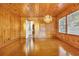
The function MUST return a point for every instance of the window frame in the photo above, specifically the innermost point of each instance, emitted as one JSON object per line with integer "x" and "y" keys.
{"x": 59, "y": 25}
{"x": 66, "y": 27}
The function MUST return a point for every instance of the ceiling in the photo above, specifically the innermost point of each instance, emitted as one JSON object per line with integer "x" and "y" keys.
{"x": 35, "y": 9}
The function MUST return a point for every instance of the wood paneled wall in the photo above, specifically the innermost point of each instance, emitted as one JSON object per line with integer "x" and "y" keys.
{"x": 70, "y": 39}
{"x": 9, "y": 27}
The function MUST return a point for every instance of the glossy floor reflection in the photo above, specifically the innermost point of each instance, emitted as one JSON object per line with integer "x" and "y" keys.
{"x": 48, "y": 47}
{"x": 42, "y": 47}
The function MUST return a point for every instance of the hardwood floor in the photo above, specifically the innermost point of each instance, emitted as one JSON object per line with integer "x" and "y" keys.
{"x": 45, "y": 47}
{"x": 14, "y": 49}
{"x": 42, "y": 47}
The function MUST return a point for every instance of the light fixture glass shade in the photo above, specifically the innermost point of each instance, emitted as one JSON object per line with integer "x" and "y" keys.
{"x": 47, "y": 18}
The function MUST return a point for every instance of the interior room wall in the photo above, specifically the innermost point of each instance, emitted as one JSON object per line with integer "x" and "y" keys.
{"x": 68, "y": 38}
{"x": 39, "y": 24}
{"x": 9, "y": 27}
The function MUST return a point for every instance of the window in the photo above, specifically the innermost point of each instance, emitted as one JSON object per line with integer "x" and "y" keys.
{"x": 73, "y": 23}
{"x": 62, "y": 25}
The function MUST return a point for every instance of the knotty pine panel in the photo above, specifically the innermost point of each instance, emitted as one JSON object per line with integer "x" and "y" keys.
{"x": 68, "y": 38}
{"x": 9, "y": 27}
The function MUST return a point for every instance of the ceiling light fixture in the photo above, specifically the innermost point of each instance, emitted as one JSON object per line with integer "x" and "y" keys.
{"x": 47, "y": 18}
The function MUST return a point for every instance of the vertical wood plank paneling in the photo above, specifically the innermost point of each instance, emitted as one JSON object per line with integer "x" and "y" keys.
{"x": 9, "y": 27}
{"x": 71, "y": 39}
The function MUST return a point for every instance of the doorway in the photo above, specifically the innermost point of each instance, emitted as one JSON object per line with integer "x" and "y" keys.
{"x": 29, "y": 35}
